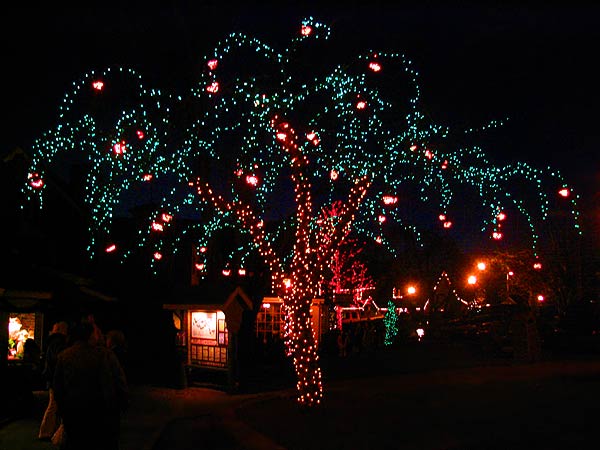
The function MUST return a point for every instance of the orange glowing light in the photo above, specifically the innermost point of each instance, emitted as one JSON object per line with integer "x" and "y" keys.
{"x": 472, "y": 279}
{"x": 481, "y": 266}
{"x": 287, "y": 283}
{"x": 410, "y": 290}
{"x": 564, "y": 192}
{"x": 540, "y": 298}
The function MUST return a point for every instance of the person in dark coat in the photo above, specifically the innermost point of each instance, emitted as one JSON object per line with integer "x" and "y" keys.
{"x": 57, "y": 342}
{"x": 91, "y": 392}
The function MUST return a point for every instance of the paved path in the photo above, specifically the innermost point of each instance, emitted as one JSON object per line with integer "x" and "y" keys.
{"x": 550, "y": 405}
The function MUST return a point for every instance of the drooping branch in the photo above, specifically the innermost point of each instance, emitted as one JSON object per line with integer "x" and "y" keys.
{"x": 247, "y": 221}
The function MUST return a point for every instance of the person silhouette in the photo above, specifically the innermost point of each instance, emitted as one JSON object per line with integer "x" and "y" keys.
{"x": 57, "y": 342}
{"x": 91, "y": 392}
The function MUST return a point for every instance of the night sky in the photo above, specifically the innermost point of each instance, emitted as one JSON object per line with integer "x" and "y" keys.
{"x": 534, "y": 64}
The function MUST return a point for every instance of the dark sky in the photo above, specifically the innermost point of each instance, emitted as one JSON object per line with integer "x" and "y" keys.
{"x": 535, "y": 64}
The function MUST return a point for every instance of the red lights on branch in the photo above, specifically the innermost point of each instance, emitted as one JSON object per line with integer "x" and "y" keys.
{"x": 35, "y": 180}
{"x": 119, "y": 148}
{"x": 226, "y": 272}
{"x": 199, "y": 266}
{"x": 312, "y": 136}
{"x": 281, "y": 136}
{"x": 166, "y": 217}
{"x": 202, "y": 249}
{"x": 333, "y": 174}
{"x": 252, "y": 180}
{"x": 147, "y": 177}
{"x": 374, "y": 66}
{"x": 212, "y": 64}
{"x": 381, "y": 218}
{"x": 158, "y": 256}
{"x": 537, "y": 266}
{"x": 428, "y": 154}
{"x": 157, "y": 226}
{"x": 445, "y": 164}
{"x": 564, "y": 192}
{"x": 447, "y": 224}
{"x": 287, "y": 283}
{"x": 412, "y": 148}
{"x": 442, "y": 217}
{"x": 306, "y": 30}
{"x": 361, "y": 104}
{"x": 501, "y": 216}
{"x": 497, "y": 235}
{"x": 242, "y": 272}
{"x": 98, "y": 85}
{"x": 390, "y": 199}
{"x": 111, "y": 248}
{"x": 140, "y": 134}
{"x": 213, "y": 88}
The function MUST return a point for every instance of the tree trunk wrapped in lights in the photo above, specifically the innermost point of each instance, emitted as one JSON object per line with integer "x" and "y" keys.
{"x": 312, "y": 252}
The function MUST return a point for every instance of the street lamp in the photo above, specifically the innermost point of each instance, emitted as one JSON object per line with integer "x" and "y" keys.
{"x": 509, "y": 274}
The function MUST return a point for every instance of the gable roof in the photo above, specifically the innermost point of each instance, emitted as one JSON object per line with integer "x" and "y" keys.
{"x": 212, "y": 296}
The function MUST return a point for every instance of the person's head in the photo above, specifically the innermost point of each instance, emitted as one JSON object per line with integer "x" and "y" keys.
{"x": 82, "y": 331}
{"x": 115, "y": 338}
{"x": 60, "y": 328}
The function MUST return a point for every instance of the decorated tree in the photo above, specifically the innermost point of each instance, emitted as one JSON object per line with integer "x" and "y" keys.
{"x": 266, "y": 147}
{"x": 346, "y": 272}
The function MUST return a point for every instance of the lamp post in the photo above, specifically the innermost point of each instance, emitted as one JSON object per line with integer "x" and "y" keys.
{"x": 509, "y": 274}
